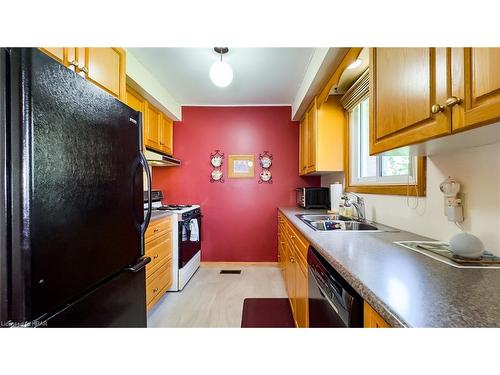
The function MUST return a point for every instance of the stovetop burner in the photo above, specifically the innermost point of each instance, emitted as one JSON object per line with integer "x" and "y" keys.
{"x": 173, "y": 207}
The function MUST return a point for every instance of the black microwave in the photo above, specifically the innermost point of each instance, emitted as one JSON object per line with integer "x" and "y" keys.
{"x": 313, "y": 197}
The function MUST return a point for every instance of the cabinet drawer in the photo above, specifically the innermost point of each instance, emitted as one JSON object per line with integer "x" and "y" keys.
{"x": 156, "y": 286}
{"x": 159, "y": 249}
{"x": 300, "y": 243}
{"x": 158, "y": 227}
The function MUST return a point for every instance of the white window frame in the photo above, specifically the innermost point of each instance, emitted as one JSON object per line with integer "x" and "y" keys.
{"x": 355, "y": 162}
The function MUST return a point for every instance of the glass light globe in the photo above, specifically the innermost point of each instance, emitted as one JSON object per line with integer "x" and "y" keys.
{"x": 221, "y": 73}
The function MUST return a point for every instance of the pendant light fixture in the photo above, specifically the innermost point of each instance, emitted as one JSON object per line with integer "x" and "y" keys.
{"x": 221, "y": 72}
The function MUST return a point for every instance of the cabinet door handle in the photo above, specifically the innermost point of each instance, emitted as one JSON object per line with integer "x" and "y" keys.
{"x": 292, "y": 260}
{"x": 84, "y": 69}
{"x": 155, "y": 290}
{"x": 155, "y": 256}
{"x": 293, "y": 237}
{"x": 452, "y": 101}
{"x": 436, "y": 108}
{"x": 156, "y": 230}
{"x": 74, "y": 63}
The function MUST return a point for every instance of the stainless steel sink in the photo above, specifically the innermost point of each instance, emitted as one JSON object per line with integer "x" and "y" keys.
{"x": 328, "y": 217}
{"x": 342, "y": 224}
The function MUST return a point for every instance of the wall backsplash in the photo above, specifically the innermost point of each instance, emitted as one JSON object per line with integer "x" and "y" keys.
{"x": 478, "y": 171}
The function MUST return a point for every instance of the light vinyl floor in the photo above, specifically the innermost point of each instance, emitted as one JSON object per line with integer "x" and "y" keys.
{"x": 211, "y": 299}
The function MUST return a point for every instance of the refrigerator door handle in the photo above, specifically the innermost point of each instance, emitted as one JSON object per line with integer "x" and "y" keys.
{"x": 145, "y": 165}
{"x": 139, "y": 265}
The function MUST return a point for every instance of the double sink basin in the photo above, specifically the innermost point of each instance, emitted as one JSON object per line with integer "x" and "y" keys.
{"x": 327, "y": 222}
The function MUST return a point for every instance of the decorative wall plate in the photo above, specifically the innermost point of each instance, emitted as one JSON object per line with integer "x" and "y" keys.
{"x": 216, "y": 161}
{"x": 265, "y": 175}
{"x": 216, "y": 174}
{"x": 266, "y": 162}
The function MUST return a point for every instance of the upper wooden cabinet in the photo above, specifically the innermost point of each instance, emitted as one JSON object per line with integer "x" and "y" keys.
{"x": 417, "y": 94}
{"x": 135, "y": 101}
{"x": 404, "y": 85}
{"x": 57, "y": 53}
{"x": 303, "y": 145}
{"x": 153, "y": 126}
{"x": 104, "y": 67}
{"x": 158, "y": 133}
{"x": 321, "y": 141}
{"x": 312, "y": 136}
{"x": 167, "y": 135}
{"x": 476, "y": 82}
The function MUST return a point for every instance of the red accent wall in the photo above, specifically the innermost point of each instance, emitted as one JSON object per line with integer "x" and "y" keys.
{"x": 239, "y": 216}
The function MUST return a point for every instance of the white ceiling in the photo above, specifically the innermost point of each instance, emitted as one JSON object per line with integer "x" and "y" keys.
{"x": 262, "y": 76}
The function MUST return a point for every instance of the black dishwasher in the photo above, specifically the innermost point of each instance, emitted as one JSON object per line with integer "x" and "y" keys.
{"x": 332, "y": 301}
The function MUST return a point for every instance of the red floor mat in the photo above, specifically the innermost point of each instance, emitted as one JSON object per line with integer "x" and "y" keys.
{"x": 267, "y": 313}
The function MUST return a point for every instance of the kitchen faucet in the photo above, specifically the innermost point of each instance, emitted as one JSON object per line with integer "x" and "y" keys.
{"x": 357, "y": 202}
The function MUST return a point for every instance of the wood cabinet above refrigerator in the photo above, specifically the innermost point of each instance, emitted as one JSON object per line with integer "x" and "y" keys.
{"x": 104, "y": 67}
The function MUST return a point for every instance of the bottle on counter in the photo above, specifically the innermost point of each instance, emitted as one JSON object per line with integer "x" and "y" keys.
{"x": 341, "y": 209}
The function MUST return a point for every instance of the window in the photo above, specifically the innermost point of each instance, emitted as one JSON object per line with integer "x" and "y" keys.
{"x": 394, "y": 167}
{"x": 395, "y": 172}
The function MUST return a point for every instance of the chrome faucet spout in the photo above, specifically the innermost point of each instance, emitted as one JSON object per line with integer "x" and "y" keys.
{"x": 358, "y": 203}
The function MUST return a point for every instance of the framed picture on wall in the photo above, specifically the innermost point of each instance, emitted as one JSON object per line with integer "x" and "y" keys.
{"x": 241, "y": 166}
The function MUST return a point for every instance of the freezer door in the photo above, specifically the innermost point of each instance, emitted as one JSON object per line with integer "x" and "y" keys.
{"x": 76, "y": 185}
{"x": 126, "y": 309}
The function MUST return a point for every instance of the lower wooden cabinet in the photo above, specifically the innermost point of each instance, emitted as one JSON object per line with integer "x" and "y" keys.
{"x": 292, "y": 253}
{"x": 159, "y": 249}
{"x": 372, "y": 319}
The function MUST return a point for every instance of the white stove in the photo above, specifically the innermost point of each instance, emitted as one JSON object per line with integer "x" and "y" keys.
{"x": 186, "y": 238}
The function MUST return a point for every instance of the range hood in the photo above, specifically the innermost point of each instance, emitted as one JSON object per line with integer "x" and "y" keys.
{"x": 158, "y": 160}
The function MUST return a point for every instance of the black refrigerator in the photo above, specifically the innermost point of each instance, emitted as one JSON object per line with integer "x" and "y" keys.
{"x": 71, "y": 208}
